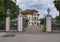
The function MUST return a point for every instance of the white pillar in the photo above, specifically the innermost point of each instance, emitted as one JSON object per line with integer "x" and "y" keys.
{"x": 7, "y": 24}
{"x": 48, "y": 23}
{"x": 20, "y": 23}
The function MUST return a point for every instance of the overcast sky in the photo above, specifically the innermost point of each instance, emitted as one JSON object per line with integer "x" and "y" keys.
{"x": 40, "y": 5}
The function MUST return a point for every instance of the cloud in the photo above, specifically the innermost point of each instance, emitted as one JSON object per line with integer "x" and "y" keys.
{"x": 40, "y": 5}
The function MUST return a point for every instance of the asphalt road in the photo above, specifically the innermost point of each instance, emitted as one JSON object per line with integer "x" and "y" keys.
{"x": 19, "y": 37}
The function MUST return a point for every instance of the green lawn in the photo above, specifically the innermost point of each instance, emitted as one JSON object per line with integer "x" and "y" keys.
{"x": 42, "y": 26}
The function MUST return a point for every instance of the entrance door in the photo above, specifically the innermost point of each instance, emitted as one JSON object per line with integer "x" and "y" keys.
{"x": 13, "y": 25}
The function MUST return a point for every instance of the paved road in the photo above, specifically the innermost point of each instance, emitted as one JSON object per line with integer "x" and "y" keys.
{"x": 33, "y": 29}
{"x": 44, "y": 37}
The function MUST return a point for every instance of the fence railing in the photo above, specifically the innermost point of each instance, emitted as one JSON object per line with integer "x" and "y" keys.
{"x": 56, "y": 25}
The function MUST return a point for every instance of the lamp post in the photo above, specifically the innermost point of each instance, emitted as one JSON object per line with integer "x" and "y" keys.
{"x": 8, "y": 20}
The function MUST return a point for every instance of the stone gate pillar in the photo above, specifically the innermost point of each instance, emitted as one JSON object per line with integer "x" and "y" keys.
{"x": 20, "y": 23}
{"x": 7, "y": 24}
{"x": 8, "y": 20}
{"x": 48, "y": 21}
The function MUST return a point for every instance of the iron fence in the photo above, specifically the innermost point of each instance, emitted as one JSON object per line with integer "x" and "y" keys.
{"x": 56, "y": 25}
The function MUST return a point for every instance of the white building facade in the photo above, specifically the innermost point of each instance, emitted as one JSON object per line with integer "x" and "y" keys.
{"x": 32, "y": 16}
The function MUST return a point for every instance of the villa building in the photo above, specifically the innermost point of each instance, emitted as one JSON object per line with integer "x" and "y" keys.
{"x": 32, "y": 16}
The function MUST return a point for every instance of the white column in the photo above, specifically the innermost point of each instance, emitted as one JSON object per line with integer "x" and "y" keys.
{"x": 7, "y": 24}
{"x": 20, "y": 23}
{"x": 48, "y": 24}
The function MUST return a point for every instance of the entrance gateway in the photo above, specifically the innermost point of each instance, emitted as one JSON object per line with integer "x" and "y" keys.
{"x": 18, "y": 24}
{"x": 14, "y": 25}
{"x": 31, "y": 16}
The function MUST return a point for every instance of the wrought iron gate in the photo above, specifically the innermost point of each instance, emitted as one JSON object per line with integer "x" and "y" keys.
{"x": 13, "y": 25}
{"x": 56, "y": 25}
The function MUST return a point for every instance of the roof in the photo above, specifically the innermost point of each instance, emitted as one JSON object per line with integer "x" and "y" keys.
{"x": 29, "y": 11}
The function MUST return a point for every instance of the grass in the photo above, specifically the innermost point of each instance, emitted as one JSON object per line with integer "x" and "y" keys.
{"x": 42, "y": 26}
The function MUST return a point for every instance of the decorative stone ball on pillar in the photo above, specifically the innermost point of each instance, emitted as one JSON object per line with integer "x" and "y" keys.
{"x": 8, "y": 20}
{"x": 20, "y": 22}
{"x": 48, "y": 22}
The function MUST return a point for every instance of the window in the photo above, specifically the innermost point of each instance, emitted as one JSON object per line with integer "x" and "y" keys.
{"x": 35, "y": 18}
{"x": 35, "y": 14}
{"x": 34, "y": 22}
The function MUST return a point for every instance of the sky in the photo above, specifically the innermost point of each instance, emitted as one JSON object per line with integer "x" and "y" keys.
{"x": 39, "y": 5}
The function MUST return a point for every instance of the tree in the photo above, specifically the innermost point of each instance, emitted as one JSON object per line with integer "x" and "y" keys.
{"x": 42, "y": 20}
{"x": 57, "y": 5}
{"x": 2, "y": 14}
{"x": 13, "y": 8}
{"x": 1, "y": 6}
{"x": 4, "y": 5}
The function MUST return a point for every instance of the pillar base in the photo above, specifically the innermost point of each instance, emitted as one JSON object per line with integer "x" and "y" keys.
{"x": 48, "y": 31}
{"x": 19, "y": 30}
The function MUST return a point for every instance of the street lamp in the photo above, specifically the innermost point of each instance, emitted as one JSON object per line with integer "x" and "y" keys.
{"x": 8, "y": 12}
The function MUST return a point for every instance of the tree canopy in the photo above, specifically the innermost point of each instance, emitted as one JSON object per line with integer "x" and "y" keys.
{"x": 57, "y": 5}
{"x": 1, "y": 6}
{"x": 13, "y": 8}
{"x": 4, "y": 5}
